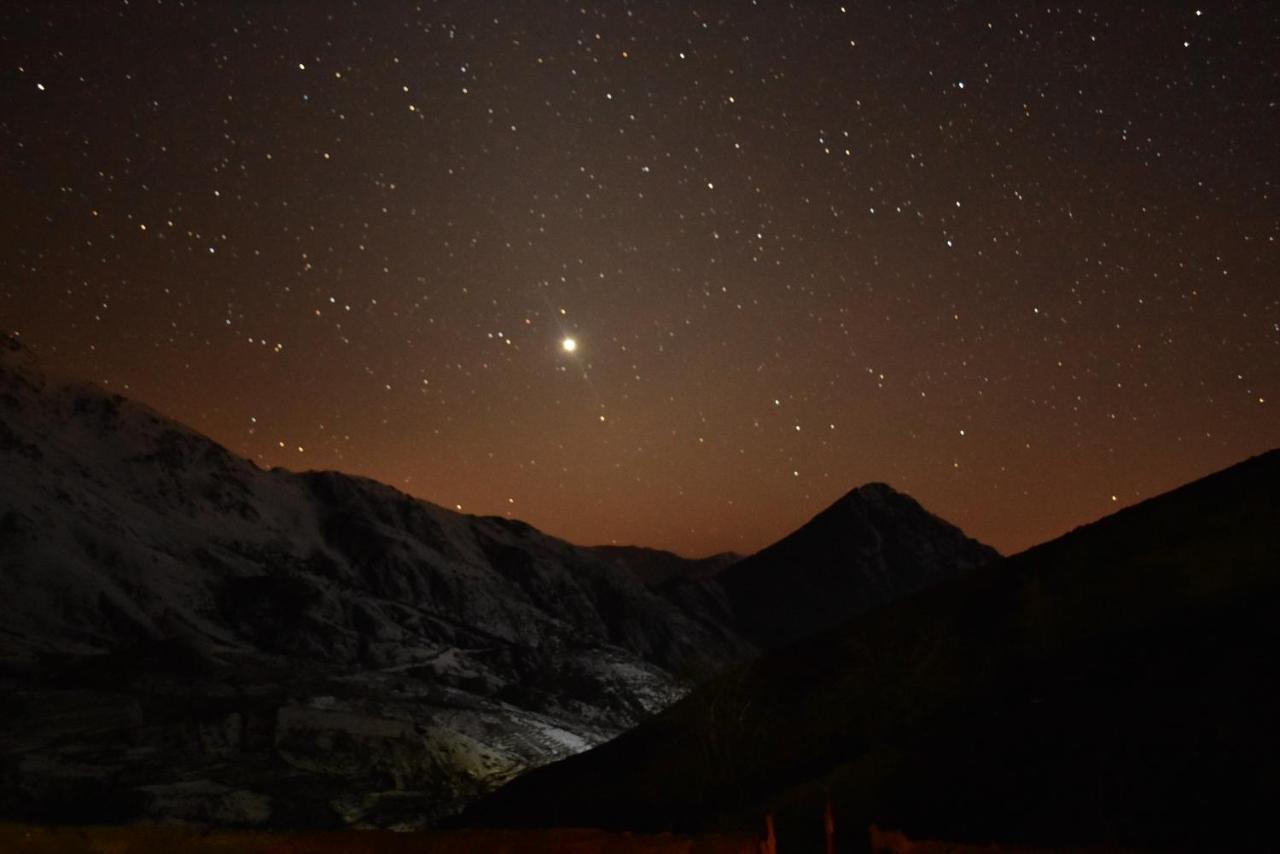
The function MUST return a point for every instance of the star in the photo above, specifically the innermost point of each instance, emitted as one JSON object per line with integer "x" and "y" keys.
{"x": 569, "y": 345}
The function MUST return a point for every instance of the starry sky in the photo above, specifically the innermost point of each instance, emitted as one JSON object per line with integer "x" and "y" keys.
{"x": 1017, "y": 260}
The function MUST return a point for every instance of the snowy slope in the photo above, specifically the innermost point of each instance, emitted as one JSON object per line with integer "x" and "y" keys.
{"x": 315, "y": 648}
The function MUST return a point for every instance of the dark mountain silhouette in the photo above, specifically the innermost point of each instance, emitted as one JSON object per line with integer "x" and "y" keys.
{"x": 1116, "y": 686}
{"x": 186, "y": 636}
{"x": 870, "y": 548}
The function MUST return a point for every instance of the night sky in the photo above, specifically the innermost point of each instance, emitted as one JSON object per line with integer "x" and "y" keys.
{"x": 1021, "y": 264}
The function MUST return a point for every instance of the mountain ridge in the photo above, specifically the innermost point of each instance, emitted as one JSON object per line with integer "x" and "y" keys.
{"x": 306, "y": 649}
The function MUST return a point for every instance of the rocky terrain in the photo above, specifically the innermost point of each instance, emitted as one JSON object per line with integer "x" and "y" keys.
{"x": 188, "y": 637}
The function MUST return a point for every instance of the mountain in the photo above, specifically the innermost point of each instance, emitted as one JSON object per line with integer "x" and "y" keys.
{"x": 1114, "y": 687}
{"x": 870, "y": 548}
{"x": 187, "y": 636}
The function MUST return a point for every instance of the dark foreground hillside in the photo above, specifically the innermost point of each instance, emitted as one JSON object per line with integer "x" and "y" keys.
{"x": 1116, "y": 686}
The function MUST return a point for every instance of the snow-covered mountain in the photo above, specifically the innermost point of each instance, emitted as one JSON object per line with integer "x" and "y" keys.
{"x": 185, "y": 636}
{"x": 232, "y": 644}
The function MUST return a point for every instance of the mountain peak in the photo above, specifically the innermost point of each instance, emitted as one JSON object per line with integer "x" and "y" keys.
{"x": 874, "y": 500}
{"x": 867, "y": 549}
{"x": 874, "y": 487}
{"x": 875, "y": 491}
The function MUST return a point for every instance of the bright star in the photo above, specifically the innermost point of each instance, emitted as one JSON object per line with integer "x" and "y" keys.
{"x": 569, "y": 345}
